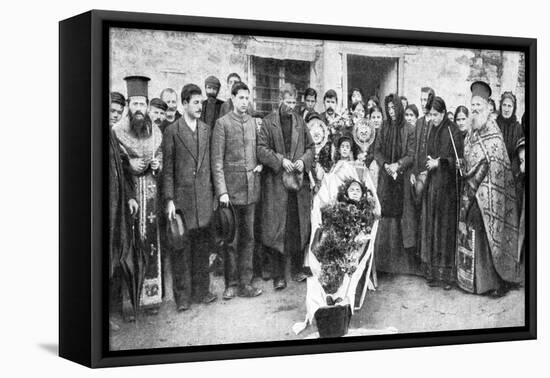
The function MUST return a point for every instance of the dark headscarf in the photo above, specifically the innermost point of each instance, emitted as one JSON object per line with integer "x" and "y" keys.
{"x": 391, "y": 145}
{"x": 511, "y": 130}
{"x": 511, "y": 96}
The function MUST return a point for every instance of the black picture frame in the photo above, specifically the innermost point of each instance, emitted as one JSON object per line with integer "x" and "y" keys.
{"x": 83, "y": 73}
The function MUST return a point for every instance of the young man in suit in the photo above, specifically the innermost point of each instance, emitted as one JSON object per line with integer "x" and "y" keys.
{"x": 236, "y": 175}
{"x": 187, "y": 188}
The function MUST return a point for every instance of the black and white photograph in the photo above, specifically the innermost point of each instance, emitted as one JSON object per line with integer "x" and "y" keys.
{"x": 267, "y": 188}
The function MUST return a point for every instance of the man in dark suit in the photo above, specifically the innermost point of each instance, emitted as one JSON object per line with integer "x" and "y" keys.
{"x": 285, "y": 145}
{"x": 236, "y": 175}
{"x": 187, "y": 188}
{"x": 212, "y": 105}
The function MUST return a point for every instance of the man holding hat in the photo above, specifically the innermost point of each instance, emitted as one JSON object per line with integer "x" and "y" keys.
{"x": 488, "y": 258}
{"x": 286, "y": 150}
{"x": 140, "y": 139}
{"x": 188, "y": 190}
{"x": 212, "y": 105}
{"x": 236, "y": 175}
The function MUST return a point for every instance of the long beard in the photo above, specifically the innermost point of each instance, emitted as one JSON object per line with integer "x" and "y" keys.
{"x": 480, "y": 119}
{"x": 141, "y": 127}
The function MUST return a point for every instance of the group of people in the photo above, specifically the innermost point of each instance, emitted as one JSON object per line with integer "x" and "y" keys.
{"x": 450, "y": 191}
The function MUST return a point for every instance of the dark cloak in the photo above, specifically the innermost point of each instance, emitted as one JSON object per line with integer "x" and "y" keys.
{"x": 439, "y": 204}
{"x": 123, "y": 253}
{"x": 395, "y": 142}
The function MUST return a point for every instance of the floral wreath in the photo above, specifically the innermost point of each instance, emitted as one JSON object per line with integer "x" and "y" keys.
{"x": 338, "y": 252}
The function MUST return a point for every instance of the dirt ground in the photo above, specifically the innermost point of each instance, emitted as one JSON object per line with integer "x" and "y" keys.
{"x": 403, "y": 302}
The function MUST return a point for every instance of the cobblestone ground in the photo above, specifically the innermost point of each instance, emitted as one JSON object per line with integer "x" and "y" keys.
{"x": 403, "y": 302}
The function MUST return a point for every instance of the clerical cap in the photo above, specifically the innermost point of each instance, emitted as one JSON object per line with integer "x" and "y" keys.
{"x": 212, "y": 81}
{"x": 137, "y": 86}
{"x": 158, "y": 103}
{"x": 481, "y": 89}
{"x": 118, "y": 98}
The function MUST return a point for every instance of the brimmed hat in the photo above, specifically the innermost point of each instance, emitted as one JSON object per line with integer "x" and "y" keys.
{"x": 175, "y": 231}
{"x": 225, "y": 221}
{"x": 292, "y": 182}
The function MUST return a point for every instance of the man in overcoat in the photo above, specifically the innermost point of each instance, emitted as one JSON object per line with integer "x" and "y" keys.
{"x": 285, "y": 145}
{"x": 122, "y": 205}
{"x": 187, "y": 189}
{"x": 236, "y": 175}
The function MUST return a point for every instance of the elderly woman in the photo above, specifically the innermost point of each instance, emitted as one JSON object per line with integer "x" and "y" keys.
{"x": 393, "y": 151}
{"x": 439, "y": 205}
{"x": 411, "y": 114}
{"x": 510, "y": 127}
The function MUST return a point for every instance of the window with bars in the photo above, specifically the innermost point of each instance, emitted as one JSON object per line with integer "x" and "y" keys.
{"x": 271, "y": 74}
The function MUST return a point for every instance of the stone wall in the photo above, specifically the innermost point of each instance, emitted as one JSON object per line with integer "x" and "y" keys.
{"x": 172, "y": 59}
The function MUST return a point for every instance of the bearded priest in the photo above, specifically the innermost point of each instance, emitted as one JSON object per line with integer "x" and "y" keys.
{"x": 140, "y": 139}
{"x": 487, "y": 258}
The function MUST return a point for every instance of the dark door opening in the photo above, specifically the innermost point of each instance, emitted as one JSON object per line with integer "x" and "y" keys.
{"x": 373, "y": 75}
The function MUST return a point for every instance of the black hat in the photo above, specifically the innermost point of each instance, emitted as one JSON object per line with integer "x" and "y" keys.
{"x": 175, "y": 232}
{"x": 158, "y": 103}
{"x": 225, "y": 221}
{"x": 293, "y": 181}
{"x": 481, "y": 88}
{"x": 212, "y": 81}
{"x": 137, "y": 86}
{"x": 118, "y": 98}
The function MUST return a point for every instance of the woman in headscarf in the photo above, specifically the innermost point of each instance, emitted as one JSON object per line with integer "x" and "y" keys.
{"x": 409, "y": 220}
{"x": 439, "y": 209}
{"x": 511, "y": 130}
{"x": 411, "y": 114}
{"x": 376, "y": 119}
{"x": 461, "y": 119}
{"x": 393, "y": 151}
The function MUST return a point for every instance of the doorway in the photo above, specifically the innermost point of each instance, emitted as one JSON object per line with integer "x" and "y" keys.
{"x": 378, "y": 76}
